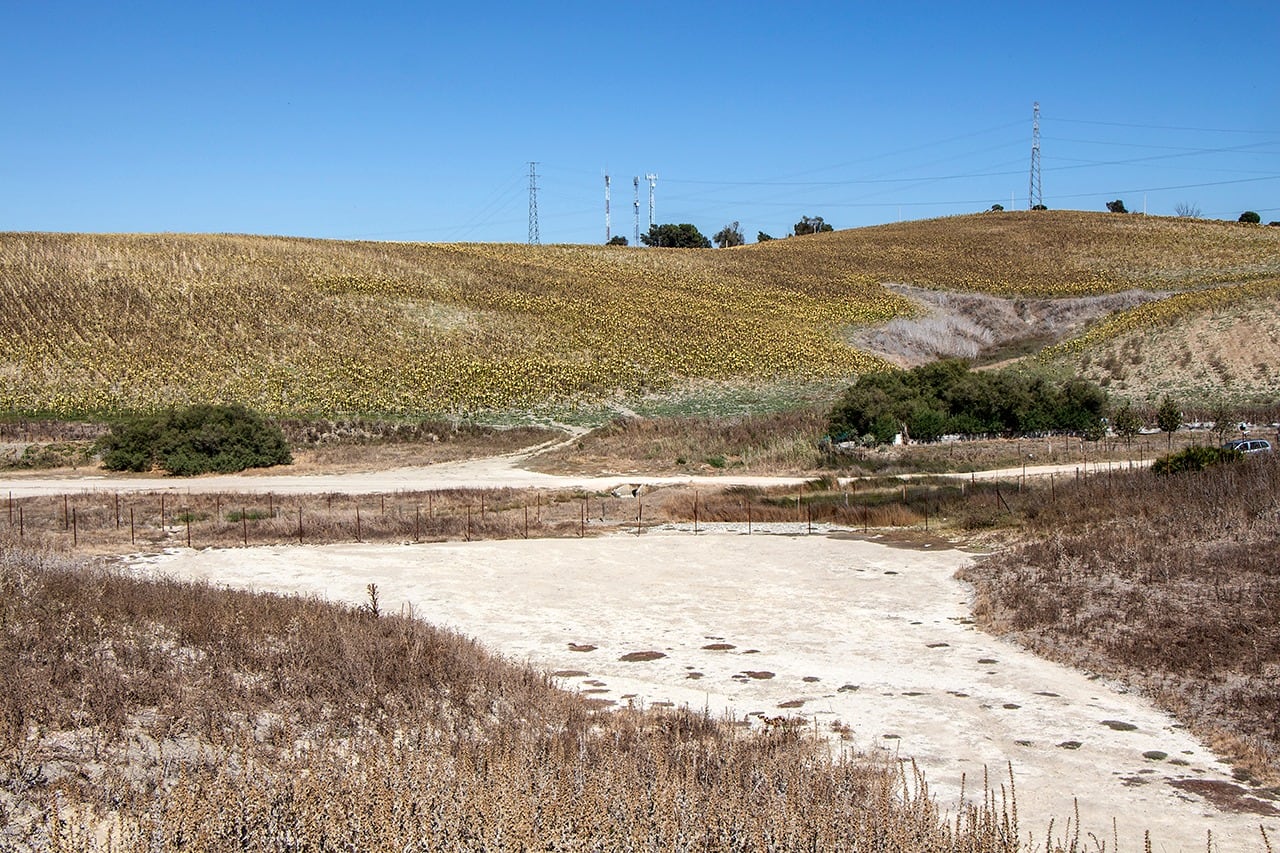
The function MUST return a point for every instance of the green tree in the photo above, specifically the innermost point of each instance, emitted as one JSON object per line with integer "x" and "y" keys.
{"x": 1168, "y": 418}
{"x": 811, "y": 225}
{"x": 730, "y": 235}
{"x": 1126, "y": 422}
{"x": 1250, "y": 217}
{"x": 619, "y": 240}
{"x": 996, "y": 208}
{"x": 682, "y": 236}
{"x": 195, "y": 440}
{"x": 762, "y": 237}
{"x": 1224, "y": 419}
{"x": 947, "y": 397}
{"x": 1117, "y": 206}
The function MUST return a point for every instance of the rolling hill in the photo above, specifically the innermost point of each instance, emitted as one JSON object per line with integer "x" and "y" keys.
{"x": 98, "y": 323}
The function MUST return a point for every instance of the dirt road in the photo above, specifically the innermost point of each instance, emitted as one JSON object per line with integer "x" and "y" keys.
{"x": 489, "y": 473}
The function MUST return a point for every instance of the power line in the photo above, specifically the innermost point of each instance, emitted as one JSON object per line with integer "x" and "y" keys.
{"x": 1160, "y": 126}
{"x": 986, "y": 200}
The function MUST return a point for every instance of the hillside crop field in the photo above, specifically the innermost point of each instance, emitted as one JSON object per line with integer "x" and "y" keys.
{"x": 289, "y": 326}
{"x": 1205, "y": 345}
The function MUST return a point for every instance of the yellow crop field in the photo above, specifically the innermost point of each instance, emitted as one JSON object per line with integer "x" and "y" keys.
{"x": 1050, "y": 253}
{"x": 95, "y": 323}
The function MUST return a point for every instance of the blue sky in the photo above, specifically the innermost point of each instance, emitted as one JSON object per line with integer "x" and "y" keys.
{"x": 403, "y": 121}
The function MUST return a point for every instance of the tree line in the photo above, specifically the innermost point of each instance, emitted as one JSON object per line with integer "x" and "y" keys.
{"x": 947, "y": 398}
{"x": 687, "y": 236}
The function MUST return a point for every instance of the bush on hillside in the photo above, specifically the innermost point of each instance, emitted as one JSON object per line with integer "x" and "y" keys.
{"x": 946, "y": 397}
{"x": 195, "y": 440}
{"x": 1250, "y": 217}
{"x": 682, "y": 236}
{"x": 1194, "y": 459}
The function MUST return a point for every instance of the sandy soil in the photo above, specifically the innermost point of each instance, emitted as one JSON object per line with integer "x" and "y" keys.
{"x": 962, "y": 324}
{"x": 825, "y": 626}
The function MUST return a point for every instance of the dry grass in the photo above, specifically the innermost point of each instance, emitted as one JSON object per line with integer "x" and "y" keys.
{"x": 362, "y": 445}
{"x": 778, "y": 442}
{"x": 293, "y": 326}
{"x": 1044, "y": 253}
{"x": 152, "y": 715}
{"x": 1171, "y": 584}
{"x": 1213, "y": 344}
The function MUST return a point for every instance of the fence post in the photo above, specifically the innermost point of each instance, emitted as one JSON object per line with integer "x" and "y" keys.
{"x": 526, "y": 521}
{"x": 75, "y": 533}
{"x": 748, "y": 518}
{"x": 188, "y": 528}
{"x": 244, "y": 526}
{"x": 417, "y": 519}
{"x": 22, "y": 527}
{"x": 117, "y": 511}
{"x": 639, "y": 516}
{"x": 66, "y": 518}
{"x": 358, "y": 522}
{"x": 468, "y": 522}
{"x": 299, "y": 525}
{"x": 162, "y": 524}
{"x": 695, "y": 513}
{"x": 132, "y": 534}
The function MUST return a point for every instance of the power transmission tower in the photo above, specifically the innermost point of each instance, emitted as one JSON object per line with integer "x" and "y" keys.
{"x": 652, "y": 179}
{"x": 1034, "y": 199}
{"x": 534, "y": 238}
{"x": 635, "y": 185}
{"x": 607, "y": 235}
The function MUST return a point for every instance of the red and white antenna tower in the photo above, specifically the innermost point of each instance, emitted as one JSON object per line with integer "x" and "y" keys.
{"x": 652, "y": 179}
{"x": 635, "y": 185}
{"x": 607, "y": 224}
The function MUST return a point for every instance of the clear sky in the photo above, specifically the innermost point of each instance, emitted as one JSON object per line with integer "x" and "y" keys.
{"x": 417, "y": 121}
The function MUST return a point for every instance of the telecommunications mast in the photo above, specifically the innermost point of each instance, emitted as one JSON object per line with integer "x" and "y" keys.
{"x": 652, "y": 179}
{"x": 1034, "y": 199}
{"x": 607, "y": 235}
{"x": 534, "y": 238}
{"x": 635, "y": 185}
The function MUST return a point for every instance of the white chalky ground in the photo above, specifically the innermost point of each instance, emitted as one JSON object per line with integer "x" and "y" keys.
{"x": 873, "y": 636}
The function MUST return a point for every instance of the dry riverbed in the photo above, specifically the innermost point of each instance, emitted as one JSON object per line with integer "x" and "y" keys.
{"x": 869, "y": 643}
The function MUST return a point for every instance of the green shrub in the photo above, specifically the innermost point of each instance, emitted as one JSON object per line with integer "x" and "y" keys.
{"x": 196, "y": 440}
{"x": 945, "y": 396}
{"x": 1194, "y": 459}
{"x": 1250, "y": 217}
